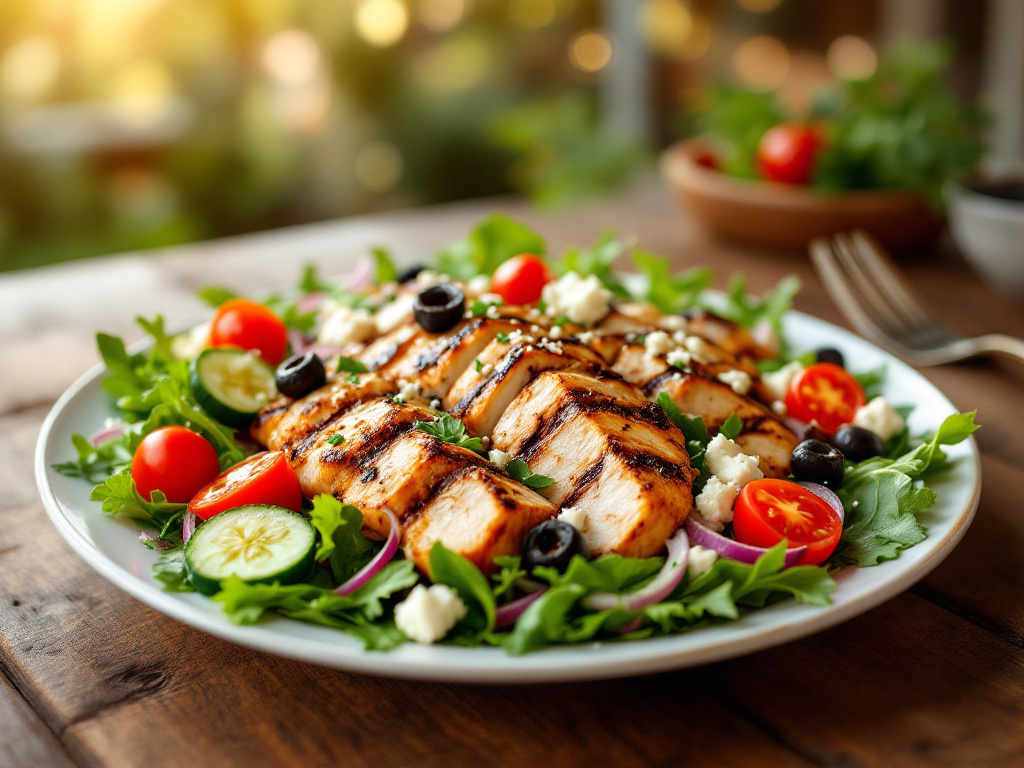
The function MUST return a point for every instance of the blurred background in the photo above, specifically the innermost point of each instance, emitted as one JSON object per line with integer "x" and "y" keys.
{"x": 130, "y": 124}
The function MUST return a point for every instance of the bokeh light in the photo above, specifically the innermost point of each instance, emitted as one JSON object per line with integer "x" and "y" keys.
{"x": 852, "y": 58}
{"x": 761, "y": 62}
{"x": 291, "y": 57}
{"x": 142, "y": 92}
{"x": 590, "y": 51}
{"x": 455, "y": 65}
{"x": 532, "y": 14}
{"x": 441, "y": 15}
{"x": 378, "y": 166}
{"x": 759, "y": 6}
{"x": 666, "y": 26}
{"x": 381, "y": 22}
{"x": 30, "y": 67}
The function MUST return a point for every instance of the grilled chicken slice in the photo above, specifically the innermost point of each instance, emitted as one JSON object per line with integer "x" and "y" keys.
{"x": 763, "y": 433}
{"x": 611, "y": 453}
{"x": 727, "y": 335}
{"x": 479, "y": 398}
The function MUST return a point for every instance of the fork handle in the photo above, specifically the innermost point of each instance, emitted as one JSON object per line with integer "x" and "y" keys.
{"x": 1002, "y": 344}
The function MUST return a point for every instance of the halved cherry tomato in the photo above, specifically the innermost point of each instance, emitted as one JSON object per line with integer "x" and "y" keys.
{"x": 174, "y": 460}
{"x": 250, "y": 326}
{"x": 768, "y": 511}
{"x": 521, "y": 279}
{"x": 266, "y": 478}
{"x": 825, "y": 393}
{"x": 788, "y": 152}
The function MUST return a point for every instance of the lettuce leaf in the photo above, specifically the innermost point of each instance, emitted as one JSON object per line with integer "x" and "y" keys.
{"x": 342, "y": 543}
{"x": 491, "y": 242}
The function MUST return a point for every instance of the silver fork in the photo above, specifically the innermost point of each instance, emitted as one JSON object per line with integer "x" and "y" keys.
{"x": 865, "y": 284}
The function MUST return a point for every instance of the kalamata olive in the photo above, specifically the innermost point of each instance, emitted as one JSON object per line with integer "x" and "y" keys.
{"x": 439, "y": 307}
{"x": 808, "y": 431}
{"x": 816, "y": 462}
{"x": 300, "y": 374}
{"x": 553, "y": 544}
{"x": 858, "y": 444}
{"x": 830, "y": 355}
{"x": 410, "y": 273}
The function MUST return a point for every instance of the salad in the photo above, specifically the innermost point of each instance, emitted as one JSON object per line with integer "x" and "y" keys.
{"x": 505, "y": 448}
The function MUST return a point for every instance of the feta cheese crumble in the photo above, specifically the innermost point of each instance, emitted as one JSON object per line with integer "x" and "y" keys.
{"x": 479, "y": 284}
{"x": 714, "y": 503}
{"x": 879, "y": 417}
{"x": 700, "y": 560}
{"x": 394, "y": 314}
{"x": 428, "y": 614}
{"x": 726, "y": 460}
{"x": 486, "y": 370}
{"x": 344, "y": 325}
{"x": 500, "y": 459}
{"x": 582, "y": 300}
{"x": 777, "y": 382}
{"x": 680, "y": 358}
{"x": 408, "y": 390}
{"x": 658, "y": 343}
{"x": 739, "y": 381}
{"x": 575, "y": 517}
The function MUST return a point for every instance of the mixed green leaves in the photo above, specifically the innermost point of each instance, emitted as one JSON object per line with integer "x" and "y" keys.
{"x": 451, "y": 430}
{"x": 695, "y": 430}
{"x": 519, "y": 470}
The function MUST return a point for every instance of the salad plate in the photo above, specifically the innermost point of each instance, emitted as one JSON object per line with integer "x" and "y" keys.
{"x": 111, "y": 546}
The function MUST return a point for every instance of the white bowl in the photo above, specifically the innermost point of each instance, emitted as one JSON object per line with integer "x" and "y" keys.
{"x": 989, "y": 231}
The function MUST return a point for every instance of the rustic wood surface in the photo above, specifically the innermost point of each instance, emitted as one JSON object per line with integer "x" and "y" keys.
{"x": 89, "y": 676}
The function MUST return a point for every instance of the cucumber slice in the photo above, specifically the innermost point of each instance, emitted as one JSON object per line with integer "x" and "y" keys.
{"x": 258, "y": 543}
{"x": 232, "y": 384}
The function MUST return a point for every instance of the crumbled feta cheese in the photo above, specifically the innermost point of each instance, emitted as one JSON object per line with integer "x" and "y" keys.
{"x": 575, "y": 517}
{"x": 779, "y": 407}
{"x": 427, "y": 278}
{"x": 738, "y": 380}
{"x": 517, "y": 337}
{"x": 486, "y": 370}
{"x": 675, "y": 323}
{"x": 657, "y": 343}
{"x": 714, "y": 503}
{"x": 534, "y": 314}
{"x": 492, "y": 312}
{"x": 434, "y": 404}
{"x": 679, "y": 358}
{"x": 534, "y": 329}
{"x": 479, "y": 284}
{"x": 726, "y": 460}
{"x": 679, "y": 337}
{"x": 551, "y": 346}
{"x": 587, "y": 337}
{"x": 697, "y": 347}
{"x": 408, "y": 390}
{"x": 879, "y": 417}
{"x": 777, "y": 382}
{"x": 582, "y": 300}
{"x": 343, "y": 325}
{"x": 394, "y": 314}
{"x": 700, "y": 560}
{"x": 555, "y": 332}
{"x": 500, "y": 459}
{"x": 428, "y": 614}
{"x": 185, "y": 346}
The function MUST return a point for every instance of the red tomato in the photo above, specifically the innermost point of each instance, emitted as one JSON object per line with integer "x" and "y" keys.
{"x": 825, "y": 393}
{"x": 768, "y": 511}
{"x": 520, "y": 279}
{"x": 266, "y": 478}
{"x": 251, "y": 326}
{"x": 787, "y": 153}
{"x": 174, "y": 460}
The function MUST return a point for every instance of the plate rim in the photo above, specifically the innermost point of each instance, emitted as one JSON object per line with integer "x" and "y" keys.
{"x": 546, "y": 666}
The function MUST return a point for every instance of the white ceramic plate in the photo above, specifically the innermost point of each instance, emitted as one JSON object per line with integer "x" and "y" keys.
{"x": 111, "y": 546}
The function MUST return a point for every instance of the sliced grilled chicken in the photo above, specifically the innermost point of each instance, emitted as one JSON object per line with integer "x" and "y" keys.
{"x": 726, "y": 335}
{"x": 611, "y": 453}
{"x": 480, "y": 397}
{"x": 763, "y": 433}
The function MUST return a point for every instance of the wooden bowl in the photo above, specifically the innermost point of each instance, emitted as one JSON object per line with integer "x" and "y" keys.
{"x": 786, "y": 216}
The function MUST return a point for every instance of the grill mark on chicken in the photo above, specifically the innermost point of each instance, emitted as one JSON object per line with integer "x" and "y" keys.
{"x": 298, "y": 451}
{"x": 387, "y": 355}
{"x": 584, "y": 482}
{"x": 500, "y": 372}
{"x": 647, "y": 460}
{"x": 416, "y": 509}
{"x": 432, "y": 356}
{"x": 651, "y": 385}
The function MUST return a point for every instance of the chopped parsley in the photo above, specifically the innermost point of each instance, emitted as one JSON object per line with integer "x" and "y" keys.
{"x": 502, "y": 337}
{"x": 336, "y": 439}
{"x": 347, "y": 364}
{"x": 479, "y": 307}
{"x": 451, "y": 430}
{"x": 519, "y": 470}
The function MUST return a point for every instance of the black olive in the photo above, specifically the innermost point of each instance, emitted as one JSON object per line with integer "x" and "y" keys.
{"x": 553, "y": 544}
{"x": 811, "y": 432}
{"x": 858, "y": 444}
{"x": 300, "y": 374}
{"x": 830, "y": 355}
{"x": 409, "y": 274}
{"x": 816, "y": 462}
{"x": 439, "y": 307}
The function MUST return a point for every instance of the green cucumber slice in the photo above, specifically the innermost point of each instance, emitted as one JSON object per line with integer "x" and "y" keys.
{"x": 232, "y": 384}
{"x": 259, "y": 543}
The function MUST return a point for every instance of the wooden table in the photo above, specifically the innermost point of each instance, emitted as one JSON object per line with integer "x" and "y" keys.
{"x": 92, "y": 677}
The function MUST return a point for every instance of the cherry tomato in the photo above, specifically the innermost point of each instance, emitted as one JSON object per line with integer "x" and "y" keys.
{"x": 788, "y": 152}
{"x": 825, "y": 393}
{"x": 266, "y": 478}
{"x": 174, "y": 460}
{"x": 768, "y": 511}
{"x": 520, "y": 279}
{"x": 251, "y": 326}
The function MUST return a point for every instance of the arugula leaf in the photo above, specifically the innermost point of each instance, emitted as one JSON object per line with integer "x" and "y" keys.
{"x": 310, "y": 282}
{"x": 882, "y": 497}
{"x": 491, "y": 242}
{"x": 451, "y": 430}
{"x": 695, "y": 430}
{"x": 608, "y": 573}
{"x": 871, "y": 381}
{"x": 731, "y": 427}
{"x": 215, "y": 295}
{"x": 385, "y": 271}
{"x": 119, "y": 496}
{"x": 671, "y": 293}
{"x": 451, "y": 568}
{"x": 519, "y": 470}
{"x": 596, "y": 260}
{"x": 750, "y": 311}
{"x": 341, "y": 539}
{"x": 170, "y": 571}
{"x": 511, "y": 571}
{"x": 95, "y": 464}
{"x": 348, "y": 365}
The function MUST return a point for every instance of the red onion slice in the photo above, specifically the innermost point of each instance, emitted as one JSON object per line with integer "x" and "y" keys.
{"x": 362, "y": 275}
{"x": 660, "y": 588}
{"x": 381, "y": 559}
{"x": 188, "y": 526}
{"x": 509, "y": 612}
{"x": 734, "y": 550}
{"x": 310, "y": 302}
{"x": 828, "y": 496}
{"x": 298, "y": 341}
{"x": 110, "y": 433}
{"x": 630, "y": 626}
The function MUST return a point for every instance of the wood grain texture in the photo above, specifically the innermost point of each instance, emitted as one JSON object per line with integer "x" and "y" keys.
{"x": 935, "y": 677}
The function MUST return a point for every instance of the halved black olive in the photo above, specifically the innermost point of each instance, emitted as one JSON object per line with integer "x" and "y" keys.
{"x": 830, "y": 355}
{"x": 858, "y": 444}
{"x": 553, "y": 544}
{"x": 816, "y": 462}
{"x": 439, "y": 307}
{"x": 300, "y": 374}
{"x": 409, "y": 274}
